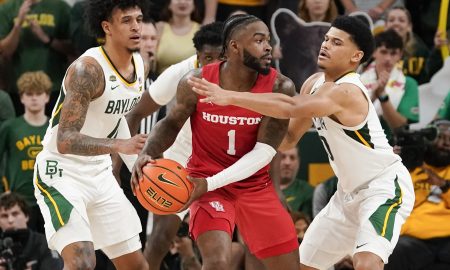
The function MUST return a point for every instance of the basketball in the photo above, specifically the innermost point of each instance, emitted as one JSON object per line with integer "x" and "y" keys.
{"x": 164, "y": 188}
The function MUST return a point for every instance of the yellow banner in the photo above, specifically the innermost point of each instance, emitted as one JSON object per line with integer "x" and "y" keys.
{"x": 442, "y": 26}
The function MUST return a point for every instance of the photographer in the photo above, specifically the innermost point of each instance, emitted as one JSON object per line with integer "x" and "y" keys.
{"x": 22, "y": 248}
{"x": 425, "y": 237}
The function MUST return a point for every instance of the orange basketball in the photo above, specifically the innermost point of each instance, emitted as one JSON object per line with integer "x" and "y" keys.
{"x": 164, "y": 188}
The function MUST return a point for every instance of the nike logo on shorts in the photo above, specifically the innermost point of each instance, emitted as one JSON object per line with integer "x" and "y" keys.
{"x": 358, "y": 246}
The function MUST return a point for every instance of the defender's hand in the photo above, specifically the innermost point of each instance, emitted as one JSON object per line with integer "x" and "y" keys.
{"x": 212, "y": 92}
{"x": 200, "y": 188}
{"x": 136, "y": 174}
{"x": 132, "y": 145}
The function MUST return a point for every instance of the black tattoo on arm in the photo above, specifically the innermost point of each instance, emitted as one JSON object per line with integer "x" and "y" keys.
{"x": 272, "y": 130}
{"x": 165, "y": 132}
{"x": 84, "y": 82}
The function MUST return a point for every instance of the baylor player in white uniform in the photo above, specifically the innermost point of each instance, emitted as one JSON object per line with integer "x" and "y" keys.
{"x": 83, "y": 206}
{"x": 375, "y": 193}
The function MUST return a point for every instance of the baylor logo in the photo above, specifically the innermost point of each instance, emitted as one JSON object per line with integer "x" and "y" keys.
{"x": 52, "y": 168}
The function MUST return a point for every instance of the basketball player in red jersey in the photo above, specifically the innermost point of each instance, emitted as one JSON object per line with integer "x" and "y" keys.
{"x": 231, "y": 150}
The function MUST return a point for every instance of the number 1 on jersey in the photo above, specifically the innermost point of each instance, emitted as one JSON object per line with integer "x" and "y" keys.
{"x": 231, "y": 142}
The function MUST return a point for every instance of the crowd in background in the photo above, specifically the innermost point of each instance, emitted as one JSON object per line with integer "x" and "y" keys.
{"x": 40, "y": 38}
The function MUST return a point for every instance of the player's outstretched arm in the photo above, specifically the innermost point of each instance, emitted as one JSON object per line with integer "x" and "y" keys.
{"x": 164, "y": 133}
{"x": 84, "y": 82}
{"x": 272, "y": 104}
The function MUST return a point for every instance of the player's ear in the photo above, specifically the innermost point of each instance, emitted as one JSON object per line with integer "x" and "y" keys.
{"x": 233, "y": 46}
{"x": 357, "y": 56}
{"x": 105, "y": 26}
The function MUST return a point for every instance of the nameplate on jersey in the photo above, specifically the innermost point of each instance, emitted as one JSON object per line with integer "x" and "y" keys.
{"x": 121, "y": 106}
{"x": 231, "y": 120}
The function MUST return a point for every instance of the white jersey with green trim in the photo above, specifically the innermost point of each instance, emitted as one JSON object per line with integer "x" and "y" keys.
{"x": 105, "y": 113}
{"x": 357, "y": 154}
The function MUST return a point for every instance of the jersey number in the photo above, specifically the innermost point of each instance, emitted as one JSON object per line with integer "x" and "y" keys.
{"x": 231, "y": 142}
{"x": 327, "y": 147}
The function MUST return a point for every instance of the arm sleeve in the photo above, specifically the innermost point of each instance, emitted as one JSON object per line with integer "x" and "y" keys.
{"x": 164, "y": 89}
{"x": 246, "y": 166}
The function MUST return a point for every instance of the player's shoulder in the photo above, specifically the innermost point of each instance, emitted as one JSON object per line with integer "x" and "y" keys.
{"x": 309, "y": 83}
{"x": 284, "y": 85}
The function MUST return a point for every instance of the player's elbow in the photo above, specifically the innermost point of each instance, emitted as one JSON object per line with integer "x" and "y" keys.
{"x": 62, "y": 143}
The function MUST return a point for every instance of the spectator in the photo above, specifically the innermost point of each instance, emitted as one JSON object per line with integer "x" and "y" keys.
{"x": 317, "y": 11}
{"x": 425, "y": 237}
{"x": 35, "y": 36}
{"x": 29, "y": 248}
{"x": 79, "y": 33}
{"x": 6, "y": 106}
{"x": 375, "y": 8}
{"x": 444, "y": 111}
{"x": 434, "y": 62}
{"x": 395, "y": 95}
{"x": 425, "y": 15}
{"x": 301, "y": 223}
{"x": 297, "y": 191}
{"x": 176, "y": 32}
{"x": 416, "y": 52}
{"x": 20, "y": 139}
{"x": 322, "y": 194}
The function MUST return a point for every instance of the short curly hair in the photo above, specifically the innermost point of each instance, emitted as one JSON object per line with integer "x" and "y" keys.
{"x": 210, "y": 34}
{"x": 101, "y": 10}
{"x": 34, "y": 82}
{"x": 359, "y": 32}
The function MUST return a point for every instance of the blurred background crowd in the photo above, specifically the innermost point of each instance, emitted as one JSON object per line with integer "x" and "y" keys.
{"x": 408, "y": 78}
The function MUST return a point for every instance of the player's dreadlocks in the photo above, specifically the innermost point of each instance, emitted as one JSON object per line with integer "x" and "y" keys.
{"x": 233, "y": 24}
{"x": 101, "y": 10}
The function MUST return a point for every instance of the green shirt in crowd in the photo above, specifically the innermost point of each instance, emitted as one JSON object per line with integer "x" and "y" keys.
{"x": 299, "y": 196}
{"x": 31, "y": 54}
{"x": 21, "y": 143}
{"x": 408, "y": 106}
{"x": 444, "y": 111}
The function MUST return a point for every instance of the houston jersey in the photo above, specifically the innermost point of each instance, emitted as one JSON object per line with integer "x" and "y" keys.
{"x": 221, "y": 135}
{"x": 105, "y": 112}
{"x": 357, "y": 154}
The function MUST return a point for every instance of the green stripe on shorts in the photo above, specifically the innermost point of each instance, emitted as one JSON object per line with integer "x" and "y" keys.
{"x": 383, "y": 219}
{"x": 60, "y": 208}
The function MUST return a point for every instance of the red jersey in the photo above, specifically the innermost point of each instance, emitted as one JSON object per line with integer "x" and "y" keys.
{"x": 221, "y": 135}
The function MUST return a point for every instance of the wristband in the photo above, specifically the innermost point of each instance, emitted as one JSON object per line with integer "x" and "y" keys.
{"x": 383, "y": 98}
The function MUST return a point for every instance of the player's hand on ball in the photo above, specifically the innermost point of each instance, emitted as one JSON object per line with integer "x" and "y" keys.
{"x": 200, "y": 188}
{"x": 136, "y": 174}
{"x": 212, "y": 92}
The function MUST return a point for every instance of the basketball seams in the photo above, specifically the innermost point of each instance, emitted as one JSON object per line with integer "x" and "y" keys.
{"x": 168, "y": 194}
{"x": 182, "y": 181}
{"x": 149, "y": 203}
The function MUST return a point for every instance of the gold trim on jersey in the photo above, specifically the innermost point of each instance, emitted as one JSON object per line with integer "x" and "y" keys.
{"x": 49, "y": 196}
{"x": 362, "y": 139}
{"x": 111, "y": 65}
